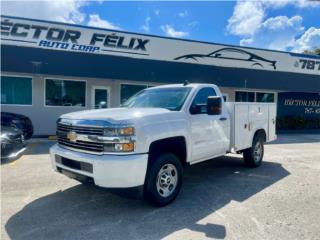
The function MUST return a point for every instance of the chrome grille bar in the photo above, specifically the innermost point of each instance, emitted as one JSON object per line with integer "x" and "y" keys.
{"x": 97, "y": 148}
{"x": 80, "y": 129}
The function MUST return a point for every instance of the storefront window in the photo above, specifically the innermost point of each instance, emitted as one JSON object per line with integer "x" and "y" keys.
{"x": 16, "y": 90}
{"x": 244, "y": 96}
{"x": 128, "y": 90}
{"x": 65, "y": 93}
{"x": 265, "y": 97}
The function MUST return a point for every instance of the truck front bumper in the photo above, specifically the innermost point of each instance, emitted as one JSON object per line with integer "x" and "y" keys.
{"x": 108, "y": 171}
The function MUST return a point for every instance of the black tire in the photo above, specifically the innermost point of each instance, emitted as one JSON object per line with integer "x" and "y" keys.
{"x": 251, "y": 156}
{"x": 151, "y": 192}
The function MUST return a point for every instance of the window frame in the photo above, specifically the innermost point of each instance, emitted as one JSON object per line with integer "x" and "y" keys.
{"x": 93, "y": 88}
{"x": 133, "y": 83}
{"x": 195, "y": 95}
{"x": 265, "y": 92}
{"x": 249, "y": 91}
{"x": 32, "y": 83}
{"x": 64, "y": 79}
{"x": 275, "y": 95}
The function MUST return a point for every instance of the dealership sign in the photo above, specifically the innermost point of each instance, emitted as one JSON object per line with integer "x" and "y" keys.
{"x": 67, "y": 37}
{"x": 299, "y": 104}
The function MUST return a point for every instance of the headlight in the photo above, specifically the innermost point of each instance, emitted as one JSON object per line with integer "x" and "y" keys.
{"x": 127, "y": 131}
{"x": 123, "y": 139}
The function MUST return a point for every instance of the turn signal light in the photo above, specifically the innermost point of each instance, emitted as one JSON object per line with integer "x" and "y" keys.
{"x": 126, "y": 131}
{"x": 128, "y": 147}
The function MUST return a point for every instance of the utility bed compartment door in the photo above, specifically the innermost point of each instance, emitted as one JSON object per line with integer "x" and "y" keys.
{"x": 241, "y": 120}
{"x": 258, "y": 118}
{"x": 246, "y": 118}
{"x": 272, "y": 123}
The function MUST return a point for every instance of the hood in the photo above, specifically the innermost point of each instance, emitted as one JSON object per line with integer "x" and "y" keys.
{"x": 115, "y": 114}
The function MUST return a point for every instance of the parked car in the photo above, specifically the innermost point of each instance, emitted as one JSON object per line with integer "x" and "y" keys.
{"x": 146, "y": 144}
{"x": 12, "y": 142}
{"x": 18, "y": 121}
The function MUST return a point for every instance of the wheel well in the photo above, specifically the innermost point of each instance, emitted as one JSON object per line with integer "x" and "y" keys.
{"x": 262, "y": 133}
{"x": 175, "y": 145}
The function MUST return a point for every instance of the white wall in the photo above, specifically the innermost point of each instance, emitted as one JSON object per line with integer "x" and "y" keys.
{"x": 44, "y": 117}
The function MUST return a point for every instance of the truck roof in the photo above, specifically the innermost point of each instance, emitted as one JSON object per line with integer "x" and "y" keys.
{"x": 192, "y": 85}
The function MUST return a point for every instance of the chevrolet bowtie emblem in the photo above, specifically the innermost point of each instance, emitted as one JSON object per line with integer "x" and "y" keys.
{"x": 72, "y": 136}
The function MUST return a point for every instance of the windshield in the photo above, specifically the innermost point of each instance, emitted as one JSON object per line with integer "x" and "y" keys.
{"x": 169, "y": 98}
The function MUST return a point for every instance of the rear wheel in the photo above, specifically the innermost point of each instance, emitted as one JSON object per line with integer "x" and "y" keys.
{"x": 253, "y": 156}
{"x": 164, "y": 180}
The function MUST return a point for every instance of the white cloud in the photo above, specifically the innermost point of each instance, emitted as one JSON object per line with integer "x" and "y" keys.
{"x": 248, "y": 15}
{"x": 183, "y": 14}
{"x": 170, "y": 31}
{"x": 96, "y": 21}
{"x": 68, "y": 11}
{"x": 146, "y": 26}
{"x": 249, "y": 21}
{"x": 62, "y": 11}
{"x": 246, "y": 19}
{"x": 295, "y": 3}
{"x": 277, "y": 33}
{"x": 308, "y": 41}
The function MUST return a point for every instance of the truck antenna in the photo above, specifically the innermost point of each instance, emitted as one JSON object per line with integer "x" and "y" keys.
{"x": 186, "y": 82}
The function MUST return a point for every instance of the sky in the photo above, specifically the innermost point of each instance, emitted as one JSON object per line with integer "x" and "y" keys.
{"x": 286, "y": 25}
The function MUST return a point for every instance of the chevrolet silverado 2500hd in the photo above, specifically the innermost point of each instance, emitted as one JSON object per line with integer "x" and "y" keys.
{"x": 147, "y": 142}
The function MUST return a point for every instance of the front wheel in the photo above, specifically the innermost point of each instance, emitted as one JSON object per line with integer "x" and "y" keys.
{"x": 164, "y": 180}
{"x": 253, "y": 156}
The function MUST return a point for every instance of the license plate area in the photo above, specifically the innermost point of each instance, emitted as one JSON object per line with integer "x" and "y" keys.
{"x": 76, "y": 176}
{"x": 77, "y": 165}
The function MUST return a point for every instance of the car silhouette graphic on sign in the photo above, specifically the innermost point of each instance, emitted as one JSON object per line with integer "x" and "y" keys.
{"x": 228, "y": 56}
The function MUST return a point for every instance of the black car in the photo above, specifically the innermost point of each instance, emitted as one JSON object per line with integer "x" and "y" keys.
{"x": 12, "y": 142}
{"x": 18, "y": 121}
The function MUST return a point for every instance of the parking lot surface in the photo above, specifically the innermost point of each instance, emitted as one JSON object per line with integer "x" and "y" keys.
{"x": 220, "y": 199}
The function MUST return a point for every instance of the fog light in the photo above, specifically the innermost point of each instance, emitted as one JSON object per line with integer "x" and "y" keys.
{"x": 118, "y": 147}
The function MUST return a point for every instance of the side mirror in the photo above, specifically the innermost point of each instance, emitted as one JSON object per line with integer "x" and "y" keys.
{"x": 214, "y": 105}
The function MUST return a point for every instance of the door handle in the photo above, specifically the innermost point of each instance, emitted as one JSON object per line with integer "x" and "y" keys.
{"x": 223, "y": 119}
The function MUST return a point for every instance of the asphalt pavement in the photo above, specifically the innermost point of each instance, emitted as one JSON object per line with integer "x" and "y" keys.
{"x": 220, "y": 199}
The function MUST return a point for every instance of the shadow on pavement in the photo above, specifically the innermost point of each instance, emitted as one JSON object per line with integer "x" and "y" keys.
{"x": 82, "y": 212}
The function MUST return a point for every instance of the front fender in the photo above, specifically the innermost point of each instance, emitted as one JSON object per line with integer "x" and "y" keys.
{"x": 161, "y": 128}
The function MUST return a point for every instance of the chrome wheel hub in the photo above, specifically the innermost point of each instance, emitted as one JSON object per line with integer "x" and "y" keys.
{"x": 167, "y": 180}
{"x": 257, "y": 153}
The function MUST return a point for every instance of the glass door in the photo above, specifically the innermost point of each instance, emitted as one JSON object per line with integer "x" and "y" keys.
{"x": 100, "y": 97}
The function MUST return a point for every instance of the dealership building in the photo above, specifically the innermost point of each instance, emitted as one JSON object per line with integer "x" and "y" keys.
{"x": 50, "y": 68}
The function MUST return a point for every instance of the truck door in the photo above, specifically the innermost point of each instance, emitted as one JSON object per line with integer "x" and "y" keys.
{"x": 208, "y": 133}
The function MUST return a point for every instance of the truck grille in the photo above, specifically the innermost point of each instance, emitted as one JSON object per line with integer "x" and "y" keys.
{"x": 93, "y": 147}
{"x": 80, "y": 129}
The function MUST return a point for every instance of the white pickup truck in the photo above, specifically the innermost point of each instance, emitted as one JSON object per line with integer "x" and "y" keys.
{"x": 146, "y": 143}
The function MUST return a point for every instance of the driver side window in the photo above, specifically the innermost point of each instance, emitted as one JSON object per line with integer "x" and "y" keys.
{"x": 199, "y": 103}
